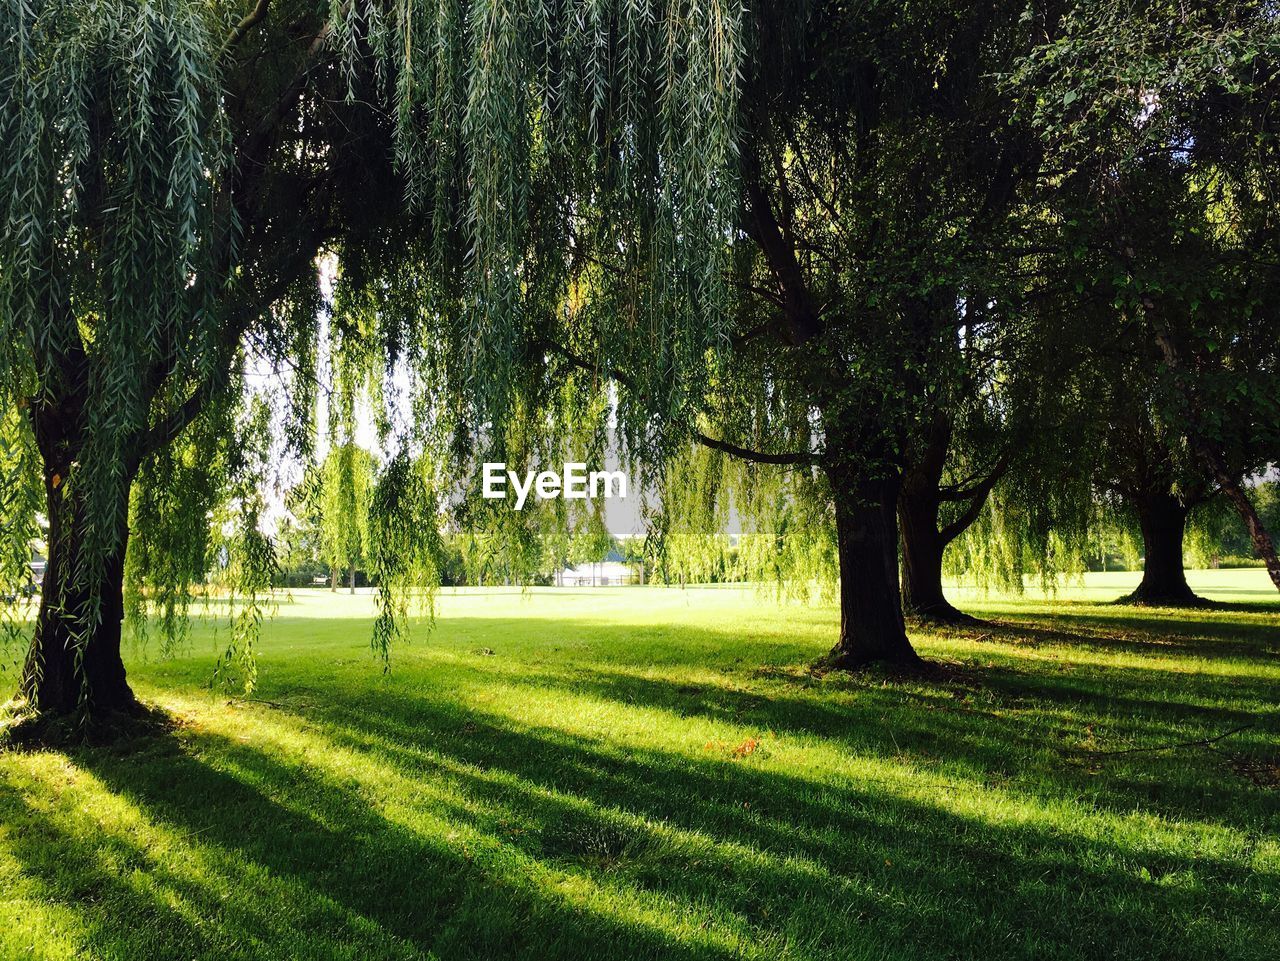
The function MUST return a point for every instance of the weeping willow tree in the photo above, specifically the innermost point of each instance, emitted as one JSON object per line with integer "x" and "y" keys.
{"x": 173, "y": 169}
{"x": 1156, "y": 118}
{"x": 878, "y": 170}
{"x": 1146, "y": 471}
{"x": 1160, "y": 114}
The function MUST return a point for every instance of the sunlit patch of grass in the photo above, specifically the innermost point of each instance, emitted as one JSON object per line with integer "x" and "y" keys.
{"x": 658, "y": 774}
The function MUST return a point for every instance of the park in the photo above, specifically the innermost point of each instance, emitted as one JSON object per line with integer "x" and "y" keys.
{"x": 639, "y": 479}
{"x": 650, "y": 772}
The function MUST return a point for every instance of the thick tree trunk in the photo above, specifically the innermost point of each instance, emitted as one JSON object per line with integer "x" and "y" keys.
{"x": 923, "y": 538}
{"x": 333, "y": 579}
{"x": 74, "y": 661}
{"x": 871, "y": 625}
{"x": 1163, "y": 520}
{"x": 351, "y": 579}
{"x": 922, "y": 549}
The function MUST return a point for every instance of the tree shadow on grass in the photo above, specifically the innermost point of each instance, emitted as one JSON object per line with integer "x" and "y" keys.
{"x": 1038, "y": 719}
{"x": 507, "y": 816}
{"x": 393, "y": 821}
{"x": 1042, "y": 724}
{"x": 1038, "y": 733}
{"x": 309, "y": 867}
{"x": 153, "y": 890}
{"x": 1001, "y": 716}
{"x": 1193, "y": 632}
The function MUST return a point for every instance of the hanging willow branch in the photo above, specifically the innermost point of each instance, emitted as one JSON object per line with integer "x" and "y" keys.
{"x": 173, "y": 169}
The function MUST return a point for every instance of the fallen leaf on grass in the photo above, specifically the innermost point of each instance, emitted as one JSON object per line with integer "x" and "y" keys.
{"x": 747, "y": 746}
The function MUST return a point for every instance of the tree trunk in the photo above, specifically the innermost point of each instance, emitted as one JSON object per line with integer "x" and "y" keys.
{"x": 333, "y": 579}
{"x": 351, "y": 579}
{"x": 1263, "y": 546}
{"x": 74, "y": 660}
{"x": 871, "y": 625}
{"x": 919, "y": 512}
{"x": 1212, "y": 456}
{"x": 922, "y": 548}
{"x": 1163, "y": 520}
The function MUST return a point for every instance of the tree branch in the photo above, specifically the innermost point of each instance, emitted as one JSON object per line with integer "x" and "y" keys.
{"x": 250, "y": 161}
{"x": 759, "y": 457}
{"x": 975, "y": 485}
{"x": 1202, "y": 742}
{"x": 977, "y": 500}
{"x": 745, "y": 337}
{"x": 745, "y": 453}
{"x": 285, "y": 274}
{"x": 797, "y": 307}
{"x": 247, "y": 23}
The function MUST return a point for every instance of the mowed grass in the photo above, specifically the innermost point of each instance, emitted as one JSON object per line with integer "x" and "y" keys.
{"x": 655, "y": 773}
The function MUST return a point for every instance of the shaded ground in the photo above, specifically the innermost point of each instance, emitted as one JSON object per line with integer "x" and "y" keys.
{"x": 656, "y": 774}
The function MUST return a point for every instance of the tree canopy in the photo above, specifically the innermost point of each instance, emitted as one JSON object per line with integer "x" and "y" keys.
{"x": 818, "y": 260}
{"x": 173, "y": 170}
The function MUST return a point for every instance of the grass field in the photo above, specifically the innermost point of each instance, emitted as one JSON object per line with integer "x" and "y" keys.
{"x": 651, "y": 773}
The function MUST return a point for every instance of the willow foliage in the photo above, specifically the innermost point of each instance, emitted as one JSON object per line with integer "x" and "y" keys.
{"x": 540, "y": 136}
{"x": 346, "y": 491}
{"x": 718, "y": 518}
{"x": 545, "y": 140}
{"x": 20, "y": 502}
{"x": 112, "y": 147}
{"x": 171, "y": 173}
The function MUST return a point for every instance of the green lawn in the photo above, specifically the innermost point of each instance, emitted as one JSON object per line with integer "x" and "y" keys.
{"x": 654, "y": 773}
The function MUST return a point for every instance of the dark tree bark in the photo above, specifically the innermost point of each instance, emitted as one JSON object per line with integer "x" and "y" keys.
{"x": 1163, "y": 520}
{"x": 922, "y": 549}
{"x": 924, "y": 540}
{"x": 919, "y": 503}
{"x": 924, "y": 537}
{"x": 871, "y": 625}
{"x": 69, "y": 666}
{"x": 1214, "y": 459}
{"x": 74, "y": 660}
{"x": 351, "y": 579}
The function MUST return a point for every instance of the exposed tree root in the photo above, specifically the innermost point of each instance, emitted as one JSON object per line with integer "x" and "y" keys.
{"x": 22, "y": 728}
{"x": 838, "y": 660}
{"x": 1201, "y": 742}
{"x": 944, "y": 615}
{"x": 1145, "y": 598}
